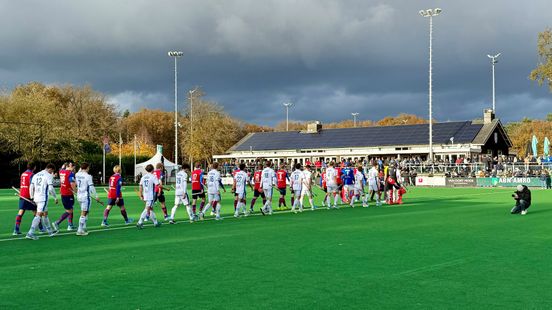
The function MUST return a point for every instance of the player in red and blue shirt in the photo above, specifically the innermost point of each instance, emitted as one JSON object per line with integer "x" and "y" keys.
{"x": 25, "y": 202}
{"x": 68, "y": 185}
{"x": 198, "y": 185}
{"x": 257, "y": 190}
{"x": 281, "y": 181}
{"x": 115, "y": 197}
{"x": 159, "y": 193}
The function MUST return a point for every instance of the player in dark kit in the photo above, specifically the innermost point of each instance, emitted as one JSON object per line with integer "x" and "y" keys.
{"x": 198, "y": 191}
{"x": 158, "y": 172}
{"x": 115, "y": 197}
{"x": 68, "y": 186}
{"x": 258, "y": 191}
{"x": 25, "y": 202}
{"x": 281, "y": 180}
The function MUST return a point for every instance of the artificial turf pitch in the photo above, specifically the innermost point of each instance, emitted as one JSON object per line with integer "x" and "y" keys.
{"x": 444, "y": 248}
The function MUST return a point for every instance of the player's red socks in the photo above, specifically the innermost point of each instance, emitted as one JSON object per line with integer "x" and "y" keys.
{"x": 18, "y": 221}
{"x": 253, "y": 202}
{"x": 70, "y": 219}
{"x": 194, "y": 208}
{"x": 164, "y": 211}
{"x": 201, "y": 206}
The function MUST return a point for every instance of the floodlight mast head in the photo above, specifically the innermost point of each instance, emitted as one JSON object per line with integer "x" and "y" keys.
{"x": 494, "y": 58}
{"x": 430, "y": 12}
{"x": 175, "y": 54}
{"x": 287, "y": 104}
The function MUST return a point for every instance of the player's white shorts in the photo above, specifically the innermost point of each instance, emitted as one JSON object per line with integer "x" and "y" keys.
{"x": 241, "y": 195}
{"x": 149, "y": 203}
{"x": 42, "y": 206}
{"x": 181, "y": 199}
{"x": 268, "y": 193}
{"x": 332, "y": 188}
{"x": 305, "y": 192}
{"x": 214, "y": 197}
{"x": 358, "y": 191}
{"x": 348, "y": 187}
{"x": 297, "y": 192}
{"x": 85, "y": 205}
{"x": 373, "y": 186}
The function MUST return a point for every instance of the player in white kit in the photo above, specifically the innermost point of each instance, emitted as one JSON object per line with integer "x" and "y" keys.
{"x": 214, "y": 183}
{"x": 148, "y": 183}
{"x": 181, "y": 195}
{"x": 240, "y": 180}
{"x": 331, "y": 184}
{"x": 85, "y": 191}
{"x": 296, "y": 179}
{"x": 358, "y": 189}
{"x": 306, "y": 187}
{"x": 373, "y": 183}
{"x": 42, "y": 184}
{"x": 268, "y": 181}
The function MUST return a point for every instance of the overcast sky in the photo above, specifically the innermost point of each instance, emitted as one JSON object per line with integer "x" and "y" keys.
{"x": 328, "y": 57}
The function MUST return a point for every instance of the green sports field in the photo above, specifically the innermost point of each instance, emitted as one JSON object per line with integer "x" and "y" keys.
{"x": 444, "y": 248}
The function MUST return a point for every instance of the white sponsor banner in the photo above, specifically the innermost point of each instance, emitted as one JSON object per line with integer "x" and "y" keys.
{"x": 430, "y": 181}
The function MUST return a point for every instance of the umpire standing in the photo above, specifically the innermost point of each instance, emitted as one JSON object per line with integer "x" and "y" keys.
{"x": 522, "y": 196}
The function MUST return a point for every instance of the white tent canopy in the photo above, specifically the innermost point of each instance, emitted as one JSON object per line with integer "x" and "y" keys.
{"x": 157, "y": 158}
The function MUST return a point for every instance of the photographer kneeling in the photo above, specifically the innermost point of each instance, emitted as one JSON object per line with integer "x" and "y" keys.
{"x": 523, "y": 200}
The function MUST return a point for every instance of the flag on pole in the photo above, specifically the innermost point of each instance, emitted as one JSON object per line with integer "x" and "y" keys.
{"x": 106, "y": 146}
{"x": 534, "y": 143}
{"x": 546, "y": 146}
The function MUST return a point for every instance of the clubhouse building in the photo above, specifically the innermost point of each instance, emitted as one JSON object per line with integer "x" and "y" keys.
{"x": 451, "y": 140}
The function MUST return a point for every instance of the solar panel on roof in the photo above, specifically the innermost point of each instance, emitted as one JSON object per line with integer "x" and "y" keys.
{"x": 463, "y": 132}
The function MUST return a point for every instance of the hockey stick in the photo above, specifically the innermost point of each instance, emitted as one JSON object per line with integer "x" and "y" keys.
{"x": 18, "y": 193}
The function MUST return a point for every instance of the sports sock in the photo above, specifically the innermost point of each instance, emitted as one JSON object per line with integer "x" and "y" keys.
{"x": 190, "y": 213}
{"x": 217, "y": 210}
{"x": 153, "y": 217}
{"x": 235, "y": 204}
{"x": 46, "y": 226}
{"x": 82, "y": 220}
{"x": 201, "y": 206}
{"x": 70, "y": 219}
{"x": 34, "y": 224}
{"x": 173, "y": 211}
{"x": 253, "y": 202}
{"x": 292, "y": 200}
{"x": 336, "y": 196}
{"x": 106, "y": 214}
{"x": 311, "y": 203}
{"x": 164, "y": 210}
{"x": 62, "y": 217}
{"x": 124, "y": 214}
{"x": 206, "y": 208}
{"x": 143, "y": 216}
{"x": 194, "y": 208}
{"x": 18, "y": 221}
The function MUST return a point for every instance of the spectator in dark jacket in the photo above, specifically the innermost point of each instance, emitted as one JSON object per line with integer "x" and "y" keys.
{"x": 522, "y": 196}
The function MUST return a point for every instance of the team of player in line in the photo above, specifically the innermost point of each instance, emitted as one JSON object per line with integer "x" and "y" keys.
{"x": 340, "y": 183}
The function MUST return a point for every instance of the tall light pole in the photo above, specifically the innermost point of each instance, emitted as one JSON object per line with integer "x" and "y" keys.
{"x": 287, "y": 105}
{"x": 175, "y": 55}
{"x": 355, "y": 114}
{"x": 191, "y": 93}
{"x": 493, "y": 62}
{"x": 430, "y": 13}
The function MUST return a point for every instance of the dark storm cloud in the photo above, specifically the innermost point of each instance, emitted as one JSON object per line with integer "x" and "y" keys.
{"x": 330, "y": 58}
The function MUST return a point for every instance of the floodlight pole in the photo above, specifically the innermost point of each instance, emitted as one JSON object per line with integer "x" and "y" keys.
{"x": 354, "y": 118}
{"x": 430, "y": 13}
{"x": 287, "y": 105}
{"x": 175, "y": 55}
{"x": 493, "y": 62}
{"x": 191, "y": 92}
